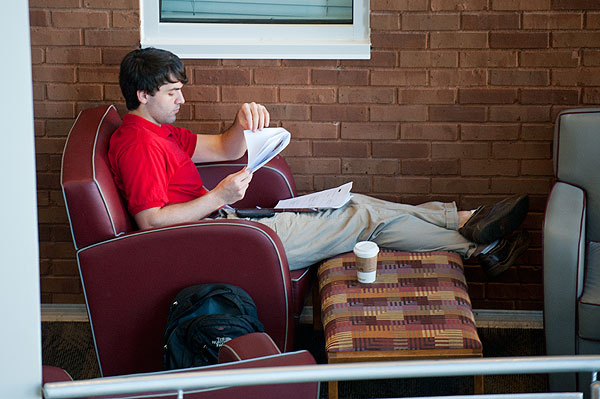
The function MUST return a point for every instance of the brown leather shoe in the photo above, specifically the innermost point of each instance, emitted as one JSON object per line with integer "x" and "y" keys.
{"x": 504, "y": 254}
{"x": 492, "y": 222}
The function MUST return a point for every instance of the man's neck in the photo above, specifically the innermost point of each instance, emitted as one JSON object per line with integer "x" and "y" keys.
{"x": 140, "y": 112}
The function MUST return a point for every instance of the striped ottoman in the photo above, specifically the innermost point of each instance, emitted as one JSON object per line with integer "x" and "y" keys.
{"x": 418, "y": 308}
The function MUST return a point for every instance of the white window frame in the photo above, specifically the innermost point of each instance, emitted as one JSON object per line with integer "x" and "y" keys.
{"x": 258, "y": 41}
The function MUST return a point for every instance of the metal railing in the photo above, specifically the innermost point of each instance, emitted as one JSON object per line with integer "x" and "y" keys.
{"x": 195, "y": 380}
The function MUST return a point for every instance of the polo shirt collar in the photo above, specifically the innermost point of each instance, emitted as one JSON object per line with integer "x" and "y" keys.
{"x": 131, "y": 119}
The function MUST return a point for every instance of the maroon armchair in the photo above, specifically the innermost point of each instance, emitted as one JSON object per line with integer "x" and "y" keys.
{"x": 130, "y": 276}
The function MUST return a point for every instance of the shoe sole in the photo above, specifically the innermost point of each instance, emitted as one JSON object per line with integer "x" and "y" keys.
{"x": 500, "y": 268}
{"x": 505, "y": 223}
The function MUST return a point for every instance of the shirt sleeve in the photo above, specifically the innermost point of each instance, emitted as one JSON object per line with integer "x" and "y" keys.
{"x": 185, "y": 138}
{"x": 144, "y": 174}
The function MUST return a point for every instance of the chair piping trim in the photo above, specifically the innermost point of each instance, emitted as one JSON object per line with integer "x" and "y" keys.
{"x": 123, "y": 237}
{"x": 302, "y": 275}
{"x": 62, "y": 161}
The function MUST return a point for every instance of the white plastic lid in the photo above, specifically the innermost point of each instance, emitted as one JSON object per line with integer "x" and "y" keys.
{"x": 366, "y": 249}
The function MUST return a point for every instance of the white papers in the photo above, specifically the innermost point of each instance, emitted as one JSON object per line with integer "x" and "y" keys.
{"x": 331, "y": 198}
{"x": 264, "y": 144}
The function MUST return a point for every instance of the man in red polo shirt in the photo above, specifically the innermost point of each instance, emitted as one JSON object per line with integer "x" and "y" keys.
{"x": 153, "y": 164}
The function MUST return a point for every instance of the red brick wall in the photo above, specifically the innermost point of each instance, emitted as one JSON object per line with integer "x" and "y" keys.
{"x": 456, "y": 104}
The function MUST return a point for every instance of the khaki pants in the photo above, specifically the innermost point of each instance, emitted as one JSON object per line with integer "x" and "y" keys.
{"x": 311, "y": 237}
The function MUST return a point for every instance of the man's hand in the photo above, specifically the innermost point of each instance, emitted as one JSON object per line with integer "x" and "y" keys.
{"x": 252, "y": 116}
{"x": 233, "y": 187}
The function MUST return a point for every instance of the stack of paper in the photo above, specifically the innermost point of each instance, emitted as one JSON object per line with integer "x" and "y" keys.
{"x": 331, "y": 198}
{"x": 264, "y": 144}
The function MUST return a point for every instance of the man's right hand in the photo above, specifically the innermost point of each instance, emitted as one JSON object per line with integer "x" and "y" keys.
{"x": 233, "y": 187}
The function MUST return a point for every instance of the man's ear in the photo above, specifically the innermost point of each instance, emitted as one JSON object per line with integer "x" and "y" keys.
{"x": 142, "y": 96}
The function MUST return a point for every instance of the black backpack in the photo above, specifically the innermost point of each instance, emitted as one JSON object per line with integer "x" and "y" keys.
{"x": 201, "y": 319}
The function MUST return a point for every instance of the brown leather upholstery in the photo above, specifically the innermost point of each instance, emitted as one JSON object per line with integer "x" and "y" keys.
{"x": 247, "y": 346}
{"x": 130, "y": 277}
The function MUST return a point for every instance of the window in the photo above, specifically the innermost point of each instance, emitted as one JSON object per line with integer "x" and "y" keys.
{"x": 286, "y": 29}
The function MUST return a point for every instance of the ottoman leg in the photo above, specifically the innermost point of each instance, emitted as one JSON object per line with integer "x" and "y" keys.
{"x": 333, "y": 390}
{"x": 478, "y": 387}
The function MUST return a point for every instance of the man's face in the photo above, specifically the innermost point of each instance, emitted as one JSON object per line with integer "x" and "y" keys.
{"x": 164, "y": 105}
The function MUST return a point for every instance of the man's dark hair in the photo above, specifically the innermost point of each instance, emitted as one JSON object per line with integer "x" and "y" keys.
{"x": 147, "y": 69}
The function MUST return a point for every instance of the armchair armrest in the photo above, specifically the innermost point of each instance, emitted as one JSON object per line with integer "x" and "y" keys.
{"x": 247, "y": 346}
{"x": 564, "y": 253}
{"x": 271, "y": 183}
{"x": 163, "y": 261}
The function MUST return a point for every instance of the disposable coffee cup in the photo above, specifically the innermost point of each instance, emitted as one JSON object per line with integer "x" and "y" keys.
{"x": 366, "y": 261}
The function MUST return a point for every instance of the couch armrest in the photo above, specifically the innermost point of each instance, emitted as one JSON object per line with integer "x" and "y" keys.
{"x": 564, "y": 253}
{"x": 269, "y": 184}
{"x": 247, "y": 346}
{"x": 130, "y": 282}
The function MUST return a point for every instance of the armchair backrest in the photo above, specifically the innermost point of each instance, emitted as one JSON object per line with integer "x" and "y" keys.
{"x": 576, "y": 160}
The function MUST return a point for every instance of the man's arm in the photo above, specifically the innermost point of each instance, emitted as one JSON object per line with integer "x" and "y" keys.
{"x": 229, "y": 190}
{"x": 231, "y": 144}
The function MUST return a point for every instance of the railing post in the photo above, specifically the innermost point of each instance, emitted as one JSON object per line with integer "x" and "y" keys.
{"x": 595, "y": 388}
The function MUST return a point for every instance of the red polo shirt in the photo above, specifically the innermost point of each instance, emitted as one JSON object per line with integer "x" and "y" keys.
{"x": 152, "y": 164}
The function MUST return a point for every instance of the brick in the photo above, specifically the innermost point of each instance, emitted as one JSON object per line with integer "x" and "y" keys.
{"x": 400, "y": 150}
{"x": 58, "y": 127}
{"x": 401, "y": 185}
{"x": 39, "y": 91}
{"x": 460, "y": 40}
{"x": 579, "y": 77}
{"x": 287, "y": 112}
{"x": 53, "y": 110}
{"x": 121, "y": 37}
{"x": 399, "y": 5}
{"x": 520, "y": 5}
{"x": 360, "y": 184}
{"x": 98, "y": 75}
{"x": 385, "y": 21}
{"x": 61, "y": 267}
{"x": 369, "y": 131}
{"x": 426, "y": 96}
{"x": 591, "y": 58}
{"x": 74, "y": 92}
{"x": 207, "y": 112}
{"x": 520, "y": 39}
{"x": 43, "y": 73}
{"x": 592, "y": 20}
{"x": 282, "y": 76}
{"x": 575, "y": 5}
{"x": 73, "y": 55}
{"x": 39, "y": 18}
{"x": 201, "y": 127}
{"x": 520, "y": 185}
{"x": 369, "y": 95}
{"x": 400, "y": 113}
{"x": 112, "y": 4}
{"x": 341, "y": 149}
{"x": 459, "y": 185}
{"x": 114, "y": 56}
{"x": 492, "y": 58}
{"x": 314, "y": 166}
{"x": 488, "y": 167}
{"x": 456, "y": 78}
{"x": 457, "y": 113}
{"x": 197, "y": 93}
{"x": 545, "y": 96}
{"x": 522, "y": 113}
{"x": 80, "y": 19}
{"x": 299, "y": 148}
{"x": 459, "y": 150}
{"x": 487, "y": 96}
{"x": 489, "y": 132}
{"x": 311, "y": 95}
{"x": 508, "y": 77}
{"x": 490, "y": 21}
{"x": 552, "y": 21}
{"x": 537, "y": 132}
{"x": 551, "y": 58}
{"x": 430, "y": 22}
{"x": 312, "y": 130}
{"x": 62, "y": 284}
{"x": 54, "y": 3}
{"x": 378, "y": 59}
{"x": 591, "y": 96}
{"x": 369, "y": 166}
{"x": 56, "y": 37}
{"x": 398, "y": 78}
{"x": 37, "y": 55}
{"x": 330, "y": 113}
{"x": 574, "y": 39}
{"x": 521, "y": 151}
{"x": 249, "y": 94}
{"x": 224, "y": 76}
{"x": 429, "y": 131}
{"x": 125, "y": 19}
{"x": 429, "y": 167}
{"x": 536, "y": 167}
{"x": 459, "y": 5}
{"x": 398, "y": 40}
{"x": 339, "y": 77}
{"x": 438, "y": 59}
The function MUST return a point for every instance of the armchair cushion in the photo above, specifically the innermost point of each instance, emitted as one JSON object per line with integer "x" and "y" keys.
{"x": 589, "y": 303}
